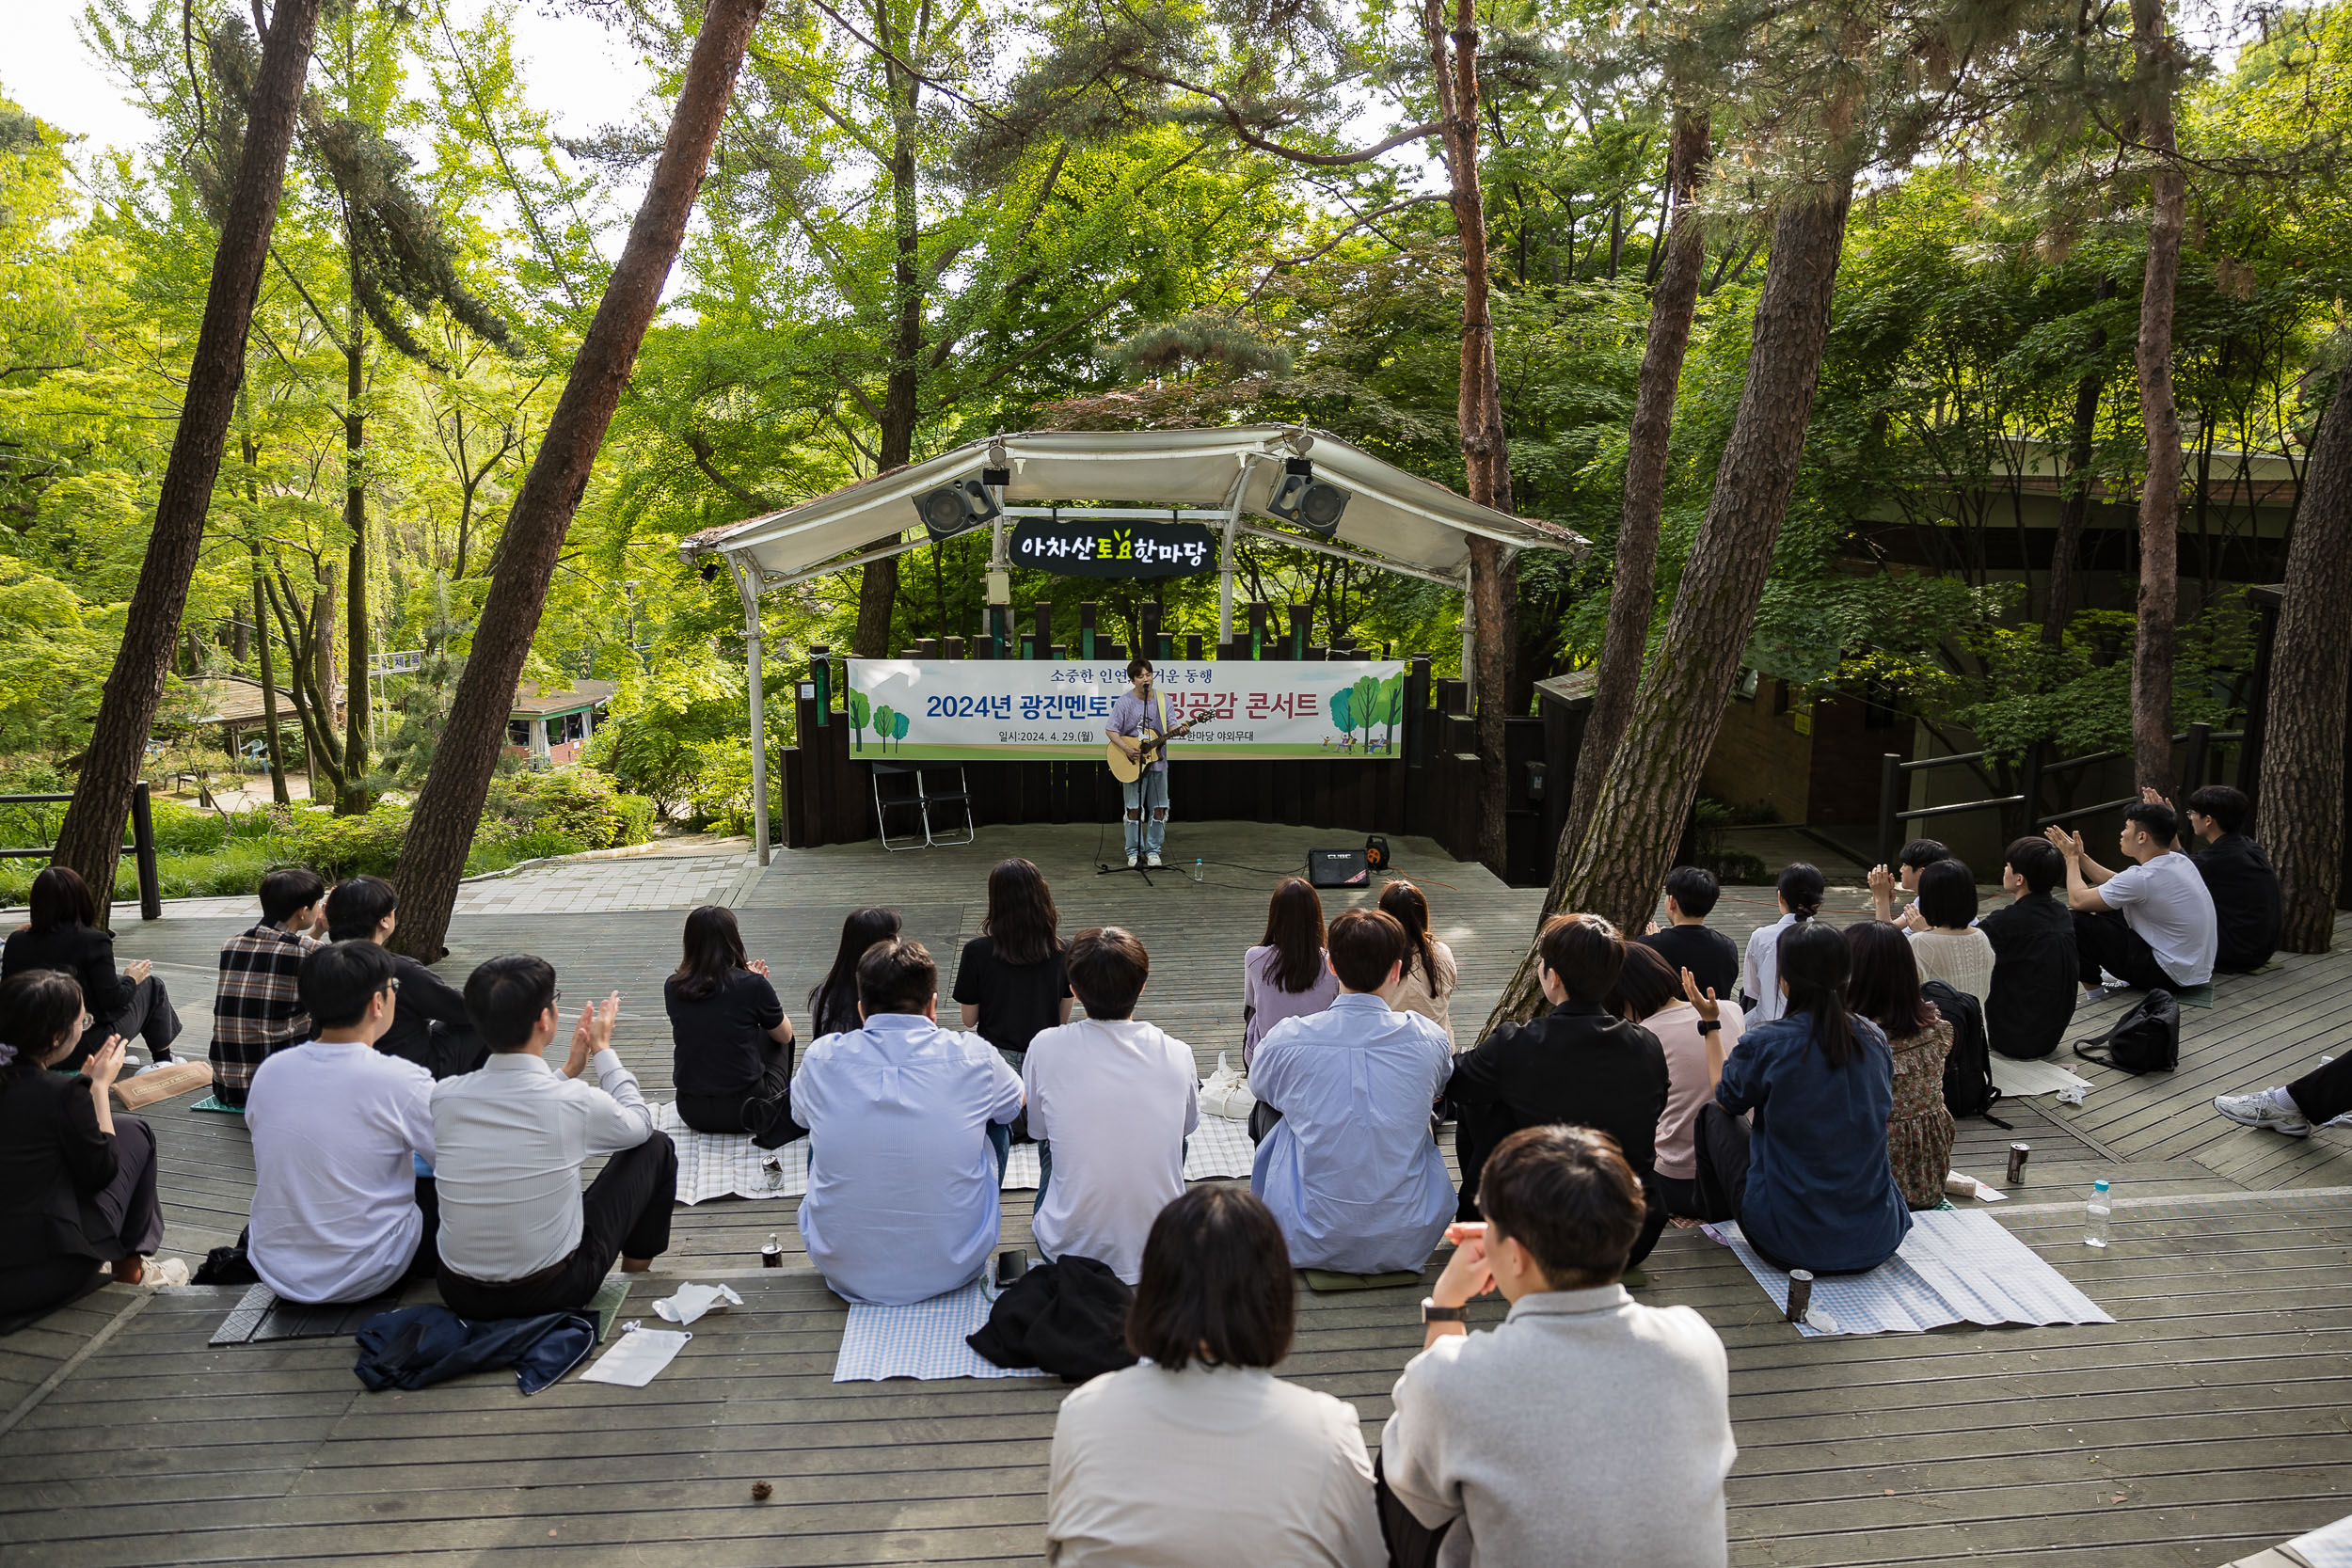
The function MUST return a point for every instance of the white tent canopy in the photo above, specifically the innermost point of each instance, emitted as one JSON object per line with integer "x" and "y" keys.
{"x": 1393, "y": 520}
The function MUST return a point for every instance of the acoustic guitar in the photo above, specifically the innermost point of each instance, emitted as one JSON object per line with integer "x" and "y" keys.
{"x": 1149, "y": 742}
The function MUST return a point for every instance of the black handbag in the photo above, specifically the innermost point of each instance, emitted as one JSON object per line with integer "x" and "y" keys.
{"x": 2145, "y": 1040}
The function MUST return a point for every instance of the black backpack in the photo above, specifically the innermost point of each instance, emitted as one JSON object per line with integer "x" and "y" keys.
{"x": 2146, "y": 1039}
{"x": 1969, "y": 1089}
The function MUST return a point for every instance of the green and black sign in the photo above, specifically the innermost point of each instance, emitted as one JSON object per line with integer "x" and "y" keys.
{"x": 1126, "y": 548}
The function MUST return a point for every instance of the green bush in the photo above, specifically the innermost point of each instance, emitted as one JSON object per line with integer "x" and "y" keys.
{"x": 579, "y": 803}
{"x": 338, "y": 846}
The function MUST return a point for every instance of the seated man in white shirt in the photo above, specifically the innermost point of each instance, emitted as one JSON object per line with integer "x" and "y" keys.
{"x": 1111, "y": 1100}
{"x": 339, "y": 1211}
{"x": 1584, "y": 1429}
{"x": 519, "y": 1238}
{"x": 908, "y": 1126}
{"x": 2151, "y": 925}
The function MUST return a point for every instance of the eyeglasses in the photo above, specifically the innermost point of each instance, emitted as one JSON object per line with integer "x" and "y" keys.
{"x": 392, "y": 984}
{"x": 88, "y": 1021}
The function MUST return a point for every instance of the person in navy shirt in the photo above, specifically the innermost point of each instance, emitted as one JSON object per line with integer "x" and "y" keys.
{"x": 1810, "y": 1183}
{"x": 1350, "y": 1170}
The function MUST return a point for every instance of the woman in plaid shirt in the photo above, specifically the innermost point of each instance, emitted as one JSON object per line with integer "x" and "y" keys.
{"x": 258, "y": 1009}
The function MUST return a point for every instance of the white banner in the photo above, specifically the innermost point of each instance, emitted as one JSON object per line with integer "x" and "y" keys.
{"x": 922, "y": 709}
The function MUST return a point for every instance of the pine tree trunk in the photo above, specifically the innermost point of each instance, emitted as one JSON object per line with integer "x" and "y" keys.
{"x": 1647, "y": 793}
{"x": 1633, "y": 594}
{"x": 2160, "y": 495}
{"x": 448, "y": 807}
{"x": 352, "y": 797}
{"x": 91, "y": 839}
{"x": 2300, "y": 801}
{"x": 2073, "y": 508}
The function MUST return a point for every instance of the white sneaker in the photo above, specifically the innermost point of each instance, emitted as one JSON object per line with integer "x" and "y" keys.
{"x": 2262, "y": 1109}
{"x": 1151, "y": 860}
{"x": 1133, "y": 859}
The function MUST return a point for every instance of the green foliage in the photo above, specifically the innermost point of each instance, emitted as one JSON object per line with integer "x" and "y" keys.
{"x": 653, "y": 737}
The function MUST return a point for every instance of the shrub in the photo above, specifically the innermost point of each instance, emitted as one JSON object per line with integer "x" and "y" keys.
{"x": 581, "y": 804}
{"x": 338, "y": 846}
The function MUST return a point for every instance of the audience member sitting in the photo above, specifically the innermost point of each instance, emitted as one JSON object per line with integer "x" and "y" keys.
{"x": 1696, "y": 1030}
{"x": 77, "y": 1178}
{"x": 1579, "y": 1063}
{"x": 258, "y": 1006}
{"x": 431, "y": 1028}
{"x": 1583, "y": 1431}
{"x": 64, "y": 933}
{"x": 1884, "y": 988}
{"x": 339, "y": 1210}
{"x": 2294, "y": 1109}
{"x": 907, "y": 1127}
{"x": 1916, "y": 857}
{"x": 1288, "y": 974}
{"x": 832, "y": 1001}
{"x": 1010, "y": 980}
{"x": 1111, "y": 1100}
{"x": 2249, "y": 908}
{"x": 2150, "y": 925}
{"x": 519, "y": 1238}
{"x": 2034, "y": 968}
{"x": 1430, "y": 972}
{"x": 1810, "y": 1185}
{"x": 1349, "y": 1168}
{"x": 1687, "y": 942}
{"x": 1945, "y": 941}
{"x": 732, "y": 1043}
{"x": 1800, "y": 892}
{"x": 1201, "y": 1454}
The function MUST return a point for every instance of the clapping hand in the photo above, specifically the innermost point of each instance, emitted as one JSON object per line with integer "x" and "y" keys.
{"x": 2151, "y": 795}
{"x": 1708, "y": 1009}
{"x": 592, "y": 1034}
{"x": 760, "y": 967}
{"x": 105, "y": 1065}
{"x": 1882, "y": 881}
{"x": 138, "y": 969}
{"x": 2069, "y": 844}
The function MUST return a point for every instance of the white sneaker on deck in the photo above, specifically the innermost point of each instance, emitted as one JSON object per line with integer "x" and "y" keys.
{"x": 1132, "y": 860}
{"x": 2263, "y": 1109}
{"x": 1152, "y": 860}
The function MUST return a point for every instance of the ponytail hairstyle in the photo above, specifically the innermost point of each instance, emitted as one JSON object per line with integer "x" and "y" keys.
{"x": 1406, "y": 902}
{"x": 1815, "y": 963}
{"x": 1801, "y": 889}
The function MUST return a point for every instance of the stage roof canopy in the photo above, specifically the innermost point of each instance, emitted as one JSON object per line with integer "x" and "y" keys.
{"x": 1401, "y": 520}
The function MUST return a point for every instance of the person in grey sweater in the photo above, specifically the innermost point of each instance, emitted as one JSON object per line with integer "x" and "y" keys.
{"x": 1586, "y": 1430}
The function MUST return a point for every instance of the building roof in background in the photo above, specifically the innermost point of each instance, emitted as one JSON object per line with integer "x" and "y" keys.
{"x": 530, "y": 702}
{"x": 235, "y": 700}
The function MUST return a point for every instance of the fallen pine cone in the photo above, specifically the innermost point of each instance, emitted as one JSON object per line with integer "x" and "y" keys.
{"x": 761, "y": 1490}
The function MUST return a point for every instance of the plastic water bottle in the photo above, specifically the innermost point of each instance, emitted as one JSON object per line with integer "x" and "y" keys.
{"x": 1197, "y": 874}
{"x": 2096, "y": 1215}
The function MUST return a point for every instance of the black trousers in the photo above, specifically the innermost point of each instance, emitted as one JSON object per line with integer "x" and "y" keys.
{"x": 121, "y": 1219}
{"x": 2104, "y": 940}
{"x": 149, "y": 1016}
{"x": 1720, "y": 1141}
{"x": 764, "y": 1110}
{"x": 624, "y": 1213}
{"x": 1478, "y": 1129}
{"x": 2326, "y": 1094}
{"x": 1410, "y": 1543}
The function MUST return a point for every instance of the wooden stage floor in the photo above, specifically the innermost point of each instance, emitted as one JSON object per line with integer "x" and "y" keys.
{"x": 2209, "y": 1422}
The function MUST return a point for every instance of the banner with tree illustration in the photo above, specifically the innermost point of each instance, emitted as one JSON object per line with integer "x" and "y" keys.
{"x": 919, "y": 709}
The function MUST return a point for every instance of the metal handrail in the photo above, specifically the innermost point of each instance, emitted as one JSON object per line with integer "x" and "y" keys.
{"x": 141, "y": 848}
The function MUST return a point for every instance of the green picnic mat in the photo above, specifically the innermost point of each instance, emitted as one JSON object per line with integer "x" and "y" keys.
{"x": 212, "y": 1102}
{"x": 605, "y": 1305}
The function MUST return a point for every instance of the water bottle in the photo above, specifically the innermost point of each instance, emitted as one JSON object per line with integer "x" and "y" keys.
{"x": 2096, "y": 1213}
{"x": 1198, "y": 873}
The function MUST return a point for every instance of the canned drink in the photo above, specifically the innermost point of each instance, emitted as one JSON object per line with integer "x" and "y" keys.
{"x": 772, "y": 1256}
{"x": 2017, "y": 1156}
{"x": 1799, "y": 1293}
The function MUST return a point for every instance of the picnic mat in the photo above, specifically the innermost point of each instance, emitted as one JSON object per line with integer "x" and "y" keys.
{"x": 212, "y": 1102}
{"x": 1954, "y": 1267}
{"x": 262, "y": 1315}
{"x": 713, "y": 1165}
{"x": 167, "y": 1081}
{"x": 923, "y": 1340}
{"x": 2328, "y": 1546}
{"x": 2018, "y": 1080}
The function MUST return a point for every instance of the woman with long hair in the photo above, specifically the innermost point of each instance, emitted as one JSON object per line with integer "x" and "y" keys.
{"x": 1430, "y": 972}
{"x": 1809, "y": 1184}
{"x": 1288, "y": 974}
{"x": 63, "y": 933}
{"x": 1697, "y": 1030}
{"x": 1201, "y": 1454}
{"x": 1800, "y": 892}
{"x": 78, "y": 1179}
{"x": 1884, "y": 988}
{"x": 732, "y": 1044}
{"x": 1010, "y": 980}
{"x": 832, "y": 1001}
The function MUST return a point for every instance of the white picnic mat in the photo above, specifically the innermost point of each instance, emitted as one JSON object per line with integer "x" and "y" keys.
{"x": 923, "y": 1340}
{"x": 713, "y": 1165}
{"x": 2328, "y": 1546}
{"x": 1956, "y": 1266}
{"x": 2018, "y": 1080}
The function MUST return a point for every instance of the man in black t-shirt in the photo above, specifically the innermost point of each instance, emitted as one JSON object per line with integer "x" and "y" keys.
{"x": 2249, "y": 910}
{"x": 2035, "y": 970}
{"x": 430, "y": 1026}
{"x": 1687, "y": 942}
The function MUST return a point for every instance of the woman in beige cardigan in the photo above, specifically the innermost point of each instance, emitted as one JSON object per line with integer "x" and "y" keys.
{"x": 1430, "y": 975}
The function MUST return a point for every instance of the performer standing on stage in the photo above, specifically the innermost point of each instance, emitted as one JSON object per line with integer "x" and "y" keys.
{"x": 1137, "y": 712}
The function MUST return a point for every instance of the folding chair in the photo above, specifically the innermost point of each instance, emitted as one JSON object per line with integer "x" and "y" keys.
{"x": 957, "y": 794}
{"x": 907, "y": 795}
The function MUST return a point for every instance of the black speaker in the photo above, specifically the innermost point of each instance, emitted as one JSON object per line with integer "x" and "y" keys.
{"x": 1302, "y": 498}
{"x": 948, "y": 510}
{"x": 1338, "y": 868}
{"x": 1376, "y": 853}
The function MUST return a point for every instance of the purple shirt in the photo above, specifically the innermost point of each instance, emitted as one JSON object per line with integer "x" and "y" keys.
{"x": 1268, "y": 1004}
{"x": 1131, "y": 714}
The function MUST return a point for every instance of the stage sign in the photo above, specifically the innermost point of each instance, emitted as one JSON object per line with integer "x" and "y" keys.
{"x": 1121, "y": 550}
{"x": 918, "y": 709}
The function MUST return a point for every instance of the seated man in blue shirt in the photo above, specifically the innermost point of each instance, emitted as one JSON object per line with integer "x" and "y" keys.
{"x": 907, "y": 1129}
{"x": 1350, "y": 1170}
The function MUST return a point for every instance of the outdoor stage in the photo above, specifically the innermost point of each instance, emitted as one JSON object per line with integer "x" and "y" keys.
{"x": 2206, "y": 1423}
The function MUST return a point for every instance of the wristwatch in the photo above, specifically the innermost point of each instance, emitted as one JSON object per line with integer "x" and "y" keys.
{"x": 1432, "y": 1313}
{"x": 1709, "y": 1025}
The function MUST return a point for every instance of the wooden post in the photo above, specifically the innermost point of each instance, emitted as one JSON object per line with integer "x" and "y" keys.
{"x": 1086, "y": 630}
{"x": 1044, "y": 614}
{"x": 1257, "y": 614}
{"x": 1296, "y": 647}
{"x": 1192, "y": 647}
{"x": 1148, "y": 629}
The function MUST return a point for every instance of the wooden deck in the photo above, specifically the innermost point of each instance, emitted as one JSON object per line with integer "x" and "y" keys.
{"x": 2209, "y": 1422}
